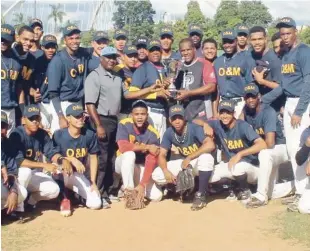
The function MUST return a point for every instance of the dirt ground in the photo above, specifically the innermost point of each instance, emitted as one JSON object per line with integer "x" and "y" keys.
{"x": 165, "y": 226}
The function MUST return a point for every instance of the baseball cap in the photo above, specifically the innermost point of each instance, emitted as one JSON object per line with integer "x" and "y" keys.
{"x": 35, "y": 21}
{"x": 154, "y": 43}
{"x": 4, "y": 117}
{"x": 242, "y": 29}
{"x": 75, "y": 109}
{"x": 138, "y": 103}
{"x": 166, "y": 31}
{"x": 229, "y": 34}
{"x": 194, "y": 28}
{"x": 31, "y": 110}
{"x": 49, "y": 39}
{"x": 109, "y": 51}
{"x": 176, "y": 110}
{"x": 251, "y": 89}
{"x": 7, "y": 32}
{"x": 142, "y": 41}
{"x": 69, "y": 29}
{"x": 120, "y": 33}
{"x": 130, "y": 49}
{"x": 286, "y": 22}
{"x": 228, "y": 105}
{"x": 100, "y": 35}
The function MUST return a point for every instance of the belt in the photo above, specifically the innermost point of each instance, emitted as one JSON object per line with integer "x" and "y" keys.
{"x": 158, "y": 110}
{"x": 74, "y": 100}
{"x": 291, "y": 96}
{"x": 109, "y": 116}
{"x": 235, "y": 99}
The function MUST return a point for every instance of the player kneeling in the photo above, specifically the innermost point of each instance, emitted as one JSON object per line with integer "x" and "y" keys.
{"x": 138, "y": 143}
{"x": 77, "y": 144}
{"x": 195, "y": 149}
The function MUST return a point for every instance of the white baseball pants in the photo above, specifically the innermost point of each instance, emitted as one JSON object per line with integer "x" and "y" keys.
{"x": 22, "y": 194}
{"x": 132, "y": 173}
{"x": 304, "y": 202}
{"x": 55, "y": 120}
{"x": 11, "y": 119}
{"x": 46, "y": 115}
{"x": 293, "y": 140}
{"x": 159, "y": 121}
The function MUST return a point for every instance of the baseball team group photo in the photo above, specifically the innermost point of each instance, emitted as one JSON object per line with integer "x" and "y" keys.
{"x": 131, "y": 125}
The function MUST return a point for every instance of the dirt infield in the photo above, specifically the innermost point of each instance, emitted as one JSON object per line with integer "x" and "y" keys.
{"x": 164, "y": 226}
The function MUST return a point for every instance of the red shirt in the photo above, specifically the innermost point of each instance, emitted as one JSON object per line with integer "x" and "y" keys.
{"x": 208, "y": 73}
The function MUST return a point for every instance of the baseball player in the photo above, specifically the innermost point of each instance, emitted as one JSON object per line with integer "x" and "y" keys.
{"x": 12, "y": 193}
{"x": 209, "y": 49}
{"x": 295, "y": 84}
{"x": 49, "y": 47}
{"x": 195, "y": 150}
{"x": 100, "y": 41}
{"x": 12, "y": 94}
{"x": 141, "y": 44}
{"x": 242, "y": 37}
{"x": 66, "y": 74}
{"x": 277, "y": 44}
{"x": 195, "y": 81}
{"x": 195, "y": 34}
{"x": 232, "y": 72}
{"x": 80, "y": 146}
{"x": 265, "y": 122}
{"x": 30, "y": 143}
{"x": 37, "y": 26}
{"x": 138, "y": 144}
{"x": 166, "y": 41}
{"x": 302, "y": 160}
{"x": 119, "y": 41}
{"x": 150, "y": 73}
{"x": 240, "y": 145}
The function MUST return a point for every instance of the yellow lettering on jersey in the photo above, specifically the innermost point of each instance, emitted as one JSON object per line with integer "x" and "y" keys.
{"x": 73, "y": 73}
{"x": 45, "y": 81}
{"x": 188, "y": 150}
{"x": 127, "y": 83}
{"x": 28, "y": 153}
{"x": 81, "y": 68}
{"x": 70, "y": 152}
{"x": 13, "y": 74}
{"x": 26, "y": 73}
{"x": 234, "y": 144}
{"x": 3, "y": 74}
{"x": 288, "y": 68}
{"x": 80, "y": 152}
{"x": 132, "y": 138}
{"x": 230, "y": 71}
{"x": 260, "y": 131}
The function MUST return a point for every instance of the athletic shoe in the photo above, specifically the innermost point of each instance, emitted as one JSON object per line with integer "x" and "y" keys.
{"x": 114, "y": 198}
{"x": 244, "y": 196}
{"x": 288, "y": 200}
{"x": 232, "y": 196}
{"x": 199, "y": 202}
{"x": 293, "y": 207}
{"x": 29, "y": 208}
{"x": 255, "y": 203}
{"x": 65, "y": 208}
{"x": 105, "y": 203}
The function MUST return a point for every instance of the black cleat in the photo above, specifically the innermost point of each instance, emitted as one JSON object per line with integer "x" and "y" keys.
{"x": 199, "y": 202}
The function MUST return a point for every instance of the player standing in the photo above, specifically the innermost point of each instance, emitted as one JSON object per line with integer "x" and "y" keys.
{"x": 242, "y": 37}
{"x": 141, "y": 44}
{"x": 209, "y": 49}
{"x": 37, "y": 26}
{"x": 100, "y": 41}
{"x": 120, "y": 41}
{"x": 196, "y": 34}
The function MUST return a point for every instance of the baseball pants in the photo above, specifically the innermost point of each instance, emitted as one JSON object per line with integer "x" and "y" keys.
{"x": 11, "y": 119}
{"x": 159, "y": 120}
{"x": 46, "y": 115}
{"x": 222, "y": 171}
{"x": 204, "y": 162}
{"x": 80, "y": 184}
{"x": 132, "y": 173}
{"x": 54, "y": 115}
{"x": 22, "y": 194}
{"x": 39, "y": 185}
{"x": 304, "y": 202}
{"x": 293, "y": 140}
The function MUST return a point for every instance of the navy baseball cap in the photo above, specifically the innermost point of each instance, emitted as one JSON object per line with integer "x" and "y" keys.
{"x": 138, "y": 103}
{"x": 109, "y": 51}
{"x": 229, "y": 34}
{"x": 75, "y": 109}
{"x": 4, "y": 118}
{"x": 120, "y": 33}
{"x": 194, "y": 28}
{"x": 142, "y": 41}
{"x": 228, "y": 105}
{"x": 154, "y": 44}
{"x": 36, "y": 22}
{"x": 286, "y": 22}
{"x": 31, "y": 110}
{"x": 176, "y": 110}
{"x": 49, "y": 39}
{"x": 251, "y": 89}
{"x": 69, "y": 29}
{"x": 166, "y": 31}
{"x": 130, "y": 49}
{"x": 100, "y": 35}
{"x": 242, "y": 29}
{"x": 7, "y": 32}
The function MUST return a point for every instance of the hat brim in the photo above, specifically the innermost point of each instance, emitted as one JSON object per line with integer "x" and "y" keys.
{"x": 100, "y": 38}
{"x": 7, "y": 37}
{"x": 5, "y": 121}
{"x": 226, "y": 109}
{"x": 36, "y": 24}
{"x": 154, "y": 46}
{"x": 120, "y": 35}
{"x": 72, "y": 32}
{"x": 229, "y": 38}
{"x": 284, "y": 25}
{"x": 49, "y": 42}
{"x": 111, "y": 54}
{"x": 243, "y": 31}
{"x": 177, "y": 114}
{"x": 76, "y": 113}
{"x": 167, "y": 34}
{"x": 251, "y": 93}
{"x": 195, "y": 31}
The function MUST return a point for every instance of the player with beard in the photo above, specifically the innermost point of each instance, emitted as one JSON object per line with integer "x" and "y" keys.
{"x": 37, "y": 26}
{"x": 242, "y": 37}
{"x": 100, "y": 41}
{"x": 277, "y": 44}
{"x": 141, "y": 44}
{"x": 195, "y": 34}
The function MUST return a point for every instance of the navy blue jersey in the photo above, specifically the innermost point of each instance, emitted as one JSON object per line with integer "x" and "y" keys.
{"x": 78, "y": 148}
{"x": 146, "y": 75}
{"x": 8, "y": 157}
{"x": 38, "y": 53}
{"x": 232, "y": 74}
{"x": 40, "y": 77}
{"x": 189, "y": 144}
{"x": 265, "y": 121}
{"x": 32, "y": 147}
{"x": 93, "y": 63}
{"x": 236, "y": 139}
{"x": 66, "y": 75}
{"x": 10, "y": 74}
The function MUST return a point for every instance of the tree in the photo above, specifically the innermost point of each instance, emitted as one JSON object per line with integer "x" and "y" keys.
{"x": 305, "y": 35}
{"x": 20, "y": 20}
{"x": 87, "y": 37}
{"x": 272, "y": 27}
{"x": 56, "y": 14}
{"x": 227, "y": 15}
{"x": 254, "y": 13}
{"x": 134, "y": 16}
{"x": 67, "y": 23}
{"x": 180, "y": 31}
{"x": 194, "y": 14}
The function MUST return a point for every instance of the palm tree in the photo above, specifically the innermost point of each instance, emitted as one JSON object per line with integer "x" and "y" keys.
{"x": 56, "y": 14}
{"x": 19, "y": 20}
{"x": 67, "y": 23}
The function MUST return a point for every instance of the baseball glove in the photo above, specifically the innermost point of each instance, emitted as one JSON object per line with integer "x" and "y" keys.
{"x": 185, "y": 181}
{"x": 133, "y": 200}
